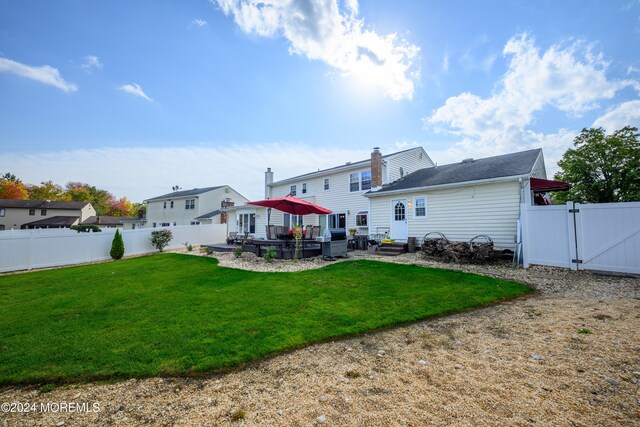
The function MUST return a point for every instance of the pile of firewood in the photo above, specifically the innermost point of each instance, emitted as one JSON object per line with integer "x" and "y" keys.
{"x": 473, "y": 251}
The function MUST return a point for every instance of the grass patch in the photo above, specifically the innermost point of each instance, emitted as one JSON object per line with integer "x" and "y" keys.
{"x": 172, "y": 314}
{"x": 584, "y": 331}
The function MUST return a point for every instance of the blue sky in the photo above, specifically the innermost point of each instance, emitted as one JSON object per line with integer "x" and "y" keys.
{"x": 136, "y": 97}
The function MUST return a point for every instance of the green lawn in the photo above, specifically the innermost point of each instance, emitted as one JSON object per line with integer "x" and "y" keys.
{"x": 174, "y": 314}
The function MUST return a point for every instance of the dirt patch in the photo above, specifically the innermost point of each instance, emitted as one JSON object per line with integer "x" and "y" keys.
{"x": 516, "y": 363}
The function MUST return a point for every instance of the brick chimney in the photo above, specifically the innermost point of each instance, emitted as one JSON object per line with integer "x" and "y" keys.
{"x": 223, "y": 206}
{"x": 268, "y": 180}
{"x": 376, "y": 168}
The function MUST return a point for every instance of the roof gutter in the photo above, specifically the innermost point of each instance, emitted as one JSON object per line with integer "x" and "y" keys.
{"x": 445, "y": 186}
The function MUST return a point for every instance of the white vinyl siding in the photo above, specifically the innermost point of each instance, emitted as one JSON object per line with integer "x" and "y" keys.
{"x": 460, "y": 213}
{"x": 409, "y": 161}
{"x": 338, "y": 197}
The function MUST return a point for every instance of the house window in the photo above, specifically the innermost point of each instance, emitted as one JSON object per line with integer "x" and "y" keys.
{"x": 43, "y": 212}
{"x": 175, "y": 223}
{"x": 164, "y": 206}
{"x": 195, "y": 222}
{"x": 304, "y": 188}
{"x": 291, "y": 221}
{"x": 247, "y": 223}
{"x": 365, "y": 178}
{"x": 326, "y": 184}
{"x": 165, "y": 224}
{"x": 154, "y": 225}
{"x": 2, "y": 212}
{"x": 293, "y": 190}
{"x": 190, "y": 204}
{"x": 1, "y": 227}
{"x": 133, "y": 226}
{"x": 420, "y": 209}
{"x": 361, "y": 219}
{"x": 354, "y": 182}
{"x": 338, "y": 220}
{"x": 399, "y": 210}
{"x": 171, "y": 204}
{"x": 32, "y": 211}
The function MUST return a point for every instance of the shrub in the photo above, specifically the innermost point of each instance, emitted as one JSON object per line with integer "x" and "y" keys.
{"x": 117, "y": 246}
{"x": 161, "y": 238}
{"x": 270, "y": 255}
{"x": 85, "y": 228}
{"x": 189, "y": 246}
{"x": 237, "y": 251}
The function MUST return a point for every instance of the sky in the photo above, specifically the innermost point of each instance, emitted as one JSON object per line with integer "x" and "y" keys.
{"x": 138, "y": 96}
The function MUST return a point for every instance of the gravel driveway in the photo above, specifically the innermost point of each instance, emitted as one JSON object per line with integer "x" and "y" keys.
{"x": 521, "y": 362}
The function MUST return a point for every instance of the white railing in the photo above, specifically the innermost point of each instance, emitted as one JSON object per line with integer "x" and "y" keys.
{"x": 28, "y": 249}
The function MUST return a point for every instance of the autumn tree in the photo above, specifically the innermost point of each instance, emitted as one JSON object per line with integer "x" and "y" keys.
{"x": 47, "y": 190}
{"x": 602, "y": 168}
{"x": 12, "y": 188}
{"x": 121, "y": 207}
{"x": 81, "y": 192}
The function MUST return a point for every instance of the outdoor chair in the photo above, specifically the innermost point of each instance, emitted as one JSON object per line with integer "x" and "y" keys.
{"x": 308, "y": 232}
{"x": 232, "y": 237}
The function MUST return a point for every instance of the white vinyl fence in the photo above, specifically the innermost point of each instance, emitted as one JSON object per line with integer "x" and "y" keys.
{"x": 27, "y": 249}
{"x": 604, "y": 236}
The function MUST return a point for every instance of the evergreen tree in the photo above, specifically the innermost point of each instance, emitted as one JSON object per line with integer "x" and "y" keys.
{"x": 117, "y": 246}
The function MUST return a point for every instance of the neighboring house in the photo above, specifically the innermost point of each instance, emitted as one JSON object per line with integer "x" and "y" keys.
{"x": 105, "y": 221}
{"x": 461, "y": 200}
{"x": 191, "y": 207}
{"x": 16, "y": 214}
{"x": 340, "y": 189}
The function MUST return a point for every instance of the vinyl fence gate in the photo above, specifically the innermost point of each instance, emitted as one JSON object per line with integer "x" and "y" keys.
{"x": 604, "y": 236}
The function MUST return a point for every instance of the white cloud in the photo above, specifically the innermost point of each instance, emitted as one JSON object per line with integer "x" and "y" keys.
{"x": 90, "y": 62}
{"x": 134, "y": 89}
{"x": 569, "y": 77}
{"x": 320, "y": 30}
{"x": 145, "y": 172}
{"x": 197, "y": 23}
{"x": 43, "y": 74}
{"x": 625, "y": 114}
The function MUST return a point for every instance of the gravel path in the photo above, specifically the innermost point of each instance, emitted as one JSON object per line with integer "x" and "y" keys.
{"x": 521, "y": 362}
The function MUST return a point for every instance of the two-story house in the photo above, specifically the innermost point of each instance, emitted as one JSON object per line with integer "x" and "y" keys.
{"x": 30, "y": 214}
{"x": 340, "y": 189}
{"x": 190, "y": 207}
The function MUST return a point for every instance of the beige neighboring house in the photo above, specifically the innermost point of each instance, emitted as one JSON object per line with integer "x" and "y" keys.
{"x": 340, "y": 189}
{"x": 191, "y": 207}
{"x": 30, "y": 214}
{"x": 106, "y": 221}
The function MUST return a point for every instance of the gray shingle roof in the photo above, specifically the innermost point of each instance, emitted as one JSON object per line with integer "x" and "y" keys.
{"x": 107, "y": 220}
{"x": 53, "y": 221}
{"x": 41, "y": 204}
{"x": 506, "y": 165}
{"x": 210, "y": 214}
{"x": 184, "y": 193}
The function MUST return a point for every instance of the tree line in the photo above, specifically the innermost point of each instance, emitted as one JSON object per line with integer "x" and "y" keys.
{"x": 105, "y": 203}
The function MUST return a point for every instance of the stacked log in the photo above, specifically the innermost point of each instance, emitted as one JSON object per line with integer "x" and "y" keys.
{"x": 444, "y": 250}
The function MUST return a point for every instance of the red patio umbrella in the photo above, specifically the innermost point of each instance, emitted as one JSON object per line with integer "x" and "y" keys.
{"x": 290, "y": 204}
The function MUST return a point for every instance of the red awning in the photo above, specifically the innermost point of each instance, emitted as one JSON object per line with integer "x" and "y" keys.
{"x": 540, "y": 185}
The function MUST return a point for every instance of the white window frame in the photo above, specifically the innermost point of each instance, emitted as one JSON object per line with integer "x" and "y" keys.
{"x": 327, "y": 184}
{"x": 171, "y": 204}
{"x": 2, "y": 212}
{"x": 243, "y": 221}
{"x": 289, "y": 219}
{"x": 164, "y": 205}
{"x": 362, "y": 214}
{"x": 304, "y": 188}
{"x": 362, "y": 180}
{"x": 293, "y": 190}
{"x": 336, "y": 219}
{"x": 415, "y": 207}
{"x": 165, "y": 224}
{"x": 190, "y": 204}
{"x": 32, "y": 212}
{"x": 359, "y": 176}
